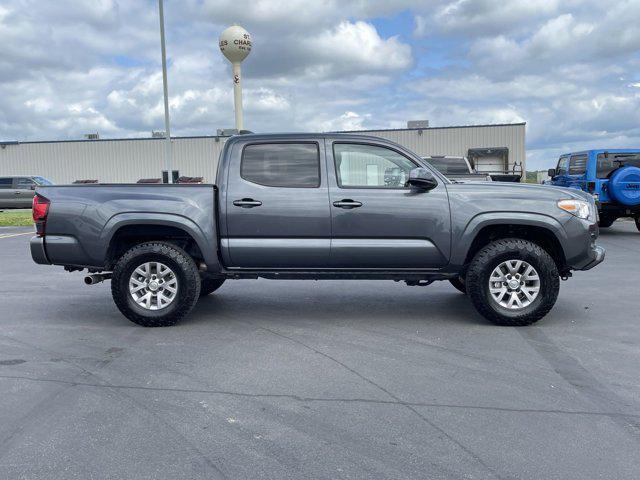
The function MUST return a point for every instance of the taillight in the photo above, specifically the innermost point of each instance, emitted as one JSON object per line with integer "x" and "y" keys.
{"x": 40, "y": 210}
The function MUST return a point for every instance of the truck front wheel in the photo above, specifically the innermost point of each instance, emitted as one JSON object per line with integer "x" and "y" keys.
{"x": 513, "y": 282}
{"x": 155, "y": 284}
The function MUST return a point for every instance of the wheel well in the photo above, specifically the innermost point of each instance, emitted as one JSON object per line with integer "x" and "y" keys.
{"x": 130, "y": 235}
{"x": 541, "y": 236}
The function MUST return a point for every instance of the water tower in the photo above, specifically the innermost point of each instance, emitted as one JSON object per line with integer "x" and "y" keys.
{"x": 235, "y": 44}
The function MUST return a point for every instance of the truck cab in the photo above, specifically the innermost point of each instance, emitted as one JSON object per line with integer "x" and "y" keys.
{"x": 611, "y": 176}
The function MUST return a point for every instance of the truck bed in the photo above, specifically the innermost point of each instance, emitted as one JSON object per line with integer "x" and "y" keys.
{"x": 83, "y": 219}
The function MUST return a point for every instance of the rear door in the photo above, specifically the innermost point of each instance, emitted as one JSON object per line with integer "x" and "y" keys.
{"x": 378, "y": 223}
{"x": 7, "y": 197}
{"x": 277, "y": 206}
{"x": 23, "y": 190}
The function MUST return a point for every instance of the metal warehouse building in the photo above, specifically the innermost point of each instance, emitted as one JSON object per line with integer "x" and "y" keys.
{"x": 490, "y": 148}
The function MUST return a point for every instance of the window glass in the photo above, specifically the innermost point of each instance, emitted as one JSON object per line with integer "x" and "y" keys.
{"x": 562, "y": 166}
{"x": 25, "y": 183}
{"x": 578, "y": 165}
{"x": 282, "y": 164}
{"x": 43, "y": 181}
{"x": 370, "y": 166}
{"x": 449, "y": 165}
{"x": 6, "y": 182}
{"x": 605, "y": 165}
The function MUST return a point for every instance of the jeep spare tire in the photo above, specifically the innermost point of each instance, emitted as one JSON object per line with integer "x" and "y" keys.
{"x": 624, "y": 186}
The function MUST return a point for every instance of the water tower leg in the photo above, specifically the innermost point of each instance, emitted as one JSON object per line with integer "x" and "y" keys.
{"x": 237, "y": 95}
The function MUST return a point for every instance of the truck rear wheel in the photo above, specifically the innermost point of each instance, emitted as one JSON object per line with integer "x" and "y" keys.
{"x": 513, "y": 282}
{"x": 155, "y": 284}
{"x": 210, "y": 285}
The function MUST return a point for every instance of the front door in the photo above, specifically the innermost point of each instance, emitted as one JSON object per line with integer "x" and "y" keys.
{"x": 377, "y": 222}
{"x": 277, "y": 206}
{"x": 562, "y": 173}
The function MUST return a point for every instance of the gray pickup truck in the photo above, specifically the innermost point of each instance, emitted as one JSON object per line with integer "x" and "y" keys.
{"x": 319, "y": 206}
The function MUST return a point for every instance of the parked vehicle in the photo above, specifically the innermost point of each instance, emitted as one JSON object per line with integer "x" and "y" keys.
{"x": 456, "y": 168}
{"x": 612, "y": 177}
{"x": 18, "y": 191}
{"x": 319, "y": 206}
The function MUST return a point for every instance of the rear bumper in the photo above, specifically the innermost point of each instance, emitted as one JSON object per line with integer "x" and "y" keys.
{"x": 38, "y": 253}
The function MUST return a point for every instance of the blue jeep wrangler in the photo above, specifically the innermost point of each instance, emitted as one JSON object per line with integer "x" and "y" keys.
{"x": 611, "y": 176}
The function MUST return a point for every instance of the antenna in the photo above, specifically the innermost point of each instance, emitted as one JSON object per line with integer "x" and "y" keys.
{"x": 235, "y": 44}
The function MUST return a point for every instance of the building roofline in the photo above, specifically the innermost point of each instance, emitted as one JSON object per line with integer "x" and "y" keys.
{"x": 431, "y": 128}
{"x": 188, "y": 137}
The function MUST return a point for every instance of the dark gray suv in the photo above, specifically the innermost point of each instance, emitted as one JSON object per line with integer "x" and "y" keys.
{"x": 17, "y": 191}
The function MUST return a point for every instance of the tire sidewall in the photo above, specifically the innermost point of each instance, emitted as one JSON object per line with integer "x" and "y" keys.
{"x": 546, "y": 271}
{"x": 187, "y": 276}
{"x": 138, "y": 260}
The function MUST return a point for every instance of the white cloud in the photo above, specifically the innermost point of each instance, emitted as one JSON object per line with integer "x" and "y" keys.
{"x": 357, "y": 46}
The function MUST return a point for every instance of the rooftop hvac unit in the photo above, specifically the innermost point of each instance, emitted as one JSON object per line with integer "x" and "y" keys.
{"x": 155, "y": 134}
{"x": 92, "y": 136}
{"x": 413, "y": 124}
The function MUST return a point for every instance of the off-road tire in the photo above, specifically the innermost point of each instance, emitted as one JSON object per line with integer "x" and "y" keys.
{"x": 186, "y": 273}
{"x": 459, "y": 284}
{"x": 490, "y": 256}
{"x": 606, "y": 222}
{"x": 210, "y": 285}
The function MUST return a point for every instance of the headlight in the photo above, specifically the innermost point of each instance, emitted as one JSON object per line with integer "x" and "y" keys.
{"x": 579, "y": 208}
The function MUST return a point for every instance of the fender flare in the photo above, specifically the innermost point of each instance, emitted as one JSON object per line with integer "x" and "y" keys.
{"x": 114, "y": 224}
{"x": 476, "y": 224}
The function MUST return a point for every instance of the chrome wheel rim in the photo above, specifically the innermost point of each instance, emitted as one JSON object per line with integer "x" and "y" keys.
{"x": 514, "y": 284}
{"x": 153, "y": 286}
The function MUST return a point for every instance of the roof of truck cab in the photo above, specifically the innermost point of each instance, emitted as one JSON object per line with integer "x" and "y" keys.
{"x": 299, "y": 136}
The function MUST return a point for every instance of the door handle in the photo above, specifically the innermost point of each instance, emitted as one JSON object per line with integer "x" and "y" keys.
{"x": 347, "y": 203}
{"x": 247, "y": 203}
{"x": 17, "y": 193}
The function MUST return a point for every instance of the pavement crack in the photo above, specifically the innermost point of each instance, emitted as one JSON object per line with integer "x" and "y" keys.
{"x": 572, "y": 371}
{"x": 397, "y": 399}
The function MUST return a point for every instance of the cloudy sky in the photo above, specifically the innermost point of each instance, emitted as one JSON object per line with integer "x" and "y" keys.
{"x": 570, "y": 69}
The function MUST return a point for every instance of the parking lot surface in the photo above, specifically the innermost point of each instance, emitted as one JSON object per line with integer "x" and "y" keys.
{"x": 334, "y": 379}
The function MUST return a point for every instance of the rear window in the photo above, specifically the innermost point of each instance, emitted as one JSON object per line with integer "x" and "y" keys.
{"x": 282, "y": 164}
{"x": 6, "y": 182}
{"x": 43, "y": 181}
{"x": 449, "y": 166}
{"x": 578, "y": 165}
{"x": 606, "y": 164}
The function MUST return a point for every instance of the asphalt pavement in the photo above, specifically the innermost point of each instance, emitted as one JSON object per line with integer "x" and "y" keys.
{"x": 329, "y": 379}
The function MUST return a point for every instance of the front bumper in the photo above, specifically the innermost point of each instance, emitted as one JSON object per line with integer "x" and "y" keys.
{"x": 596, "y": 256}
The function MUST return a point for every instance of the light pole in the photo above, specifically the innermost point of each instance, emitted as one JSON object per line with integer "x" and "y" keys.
{"x": 235, "y": 44}
{"x": 167, "y": 133}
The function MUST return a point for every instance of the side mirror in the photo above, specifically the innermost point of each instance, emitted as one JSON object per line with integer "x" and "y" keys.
{"x": 551, "y": 172}
{"x": 32, "y": 187}
{"x": 421, "y": 178}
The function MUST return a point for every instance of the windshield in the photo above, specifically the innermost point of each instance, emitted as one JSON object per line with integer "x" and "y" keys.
{"x": 608, "y": 163}
{"x": 42, "y": 181}
{"x": 449, "y": 165}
